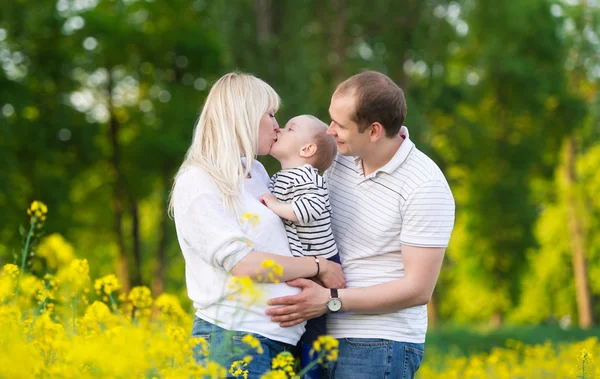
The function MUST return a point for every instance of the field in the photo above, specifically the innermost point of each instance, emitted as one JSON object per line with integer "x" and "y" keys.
{"x": 65, "y": 324}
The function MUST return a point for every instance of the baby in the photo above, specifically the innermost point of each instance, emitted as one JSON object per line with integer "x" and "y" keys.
{"x": 300, "y": 197}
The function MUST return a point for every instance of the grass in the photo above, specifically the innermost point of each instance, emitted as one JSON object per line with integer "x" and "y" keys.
{"x": 465, "y": 341}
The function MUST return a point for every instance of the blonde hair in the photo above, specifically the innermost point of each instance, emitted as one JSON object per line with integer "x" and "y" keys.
{"x": 326, "y": 146}
{"x": 227, "y": 130}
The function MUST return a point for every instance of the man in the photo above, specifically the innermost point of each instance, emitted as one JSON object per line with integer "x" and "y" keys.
{"x": 393, "y": 213}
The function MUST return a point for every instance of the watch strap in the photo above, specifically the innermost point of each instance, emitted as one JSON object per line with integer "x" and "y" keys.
{"x": 334, "y": 293}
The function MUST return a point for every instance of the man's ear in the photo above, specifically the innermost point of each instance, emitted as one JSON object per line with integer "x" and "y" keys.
{"x": 308, "y": 150}
{"x": 376, "y": 131}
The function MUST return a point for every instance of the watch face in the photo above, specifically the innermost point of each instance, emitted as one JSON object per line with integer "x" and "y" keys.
{"x": 334, "y": 304}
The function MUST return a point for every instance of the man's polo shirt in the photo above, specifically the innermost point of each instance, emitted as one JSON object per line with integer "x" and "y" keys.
{"x": 405, "y": 202}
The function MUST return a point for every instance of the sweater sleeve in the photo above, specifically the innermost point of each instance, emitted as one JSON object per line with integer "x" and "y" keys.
{"x": 208, "y": 229}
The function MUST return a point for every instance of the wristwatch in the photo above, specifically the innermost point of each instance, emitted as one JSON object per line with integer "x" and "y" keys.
{"x": 335, "y": 303}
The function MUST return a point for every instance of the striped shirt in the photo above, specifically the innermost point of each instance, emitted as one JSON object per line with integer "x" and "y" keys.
{"x": 306, "y": 190}
{"x": 405, "y": 202}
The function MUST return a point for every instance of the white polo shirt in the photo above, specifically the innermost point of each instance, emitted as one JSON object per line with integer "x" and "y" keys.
{"x": 405, "y": 202}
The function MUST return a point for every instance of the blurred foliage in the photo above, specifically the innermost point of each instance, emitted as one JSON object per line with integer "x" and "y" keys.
{"x": 99, "y": 99}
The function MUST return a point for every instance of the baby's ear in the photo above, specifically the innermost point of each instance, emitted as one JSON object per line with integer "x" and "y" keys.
{"x": 308, "y": 150}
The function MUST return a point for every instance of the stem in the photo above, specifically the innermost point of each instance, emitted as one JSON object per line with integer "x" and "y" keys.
{"x": 312, "y": 364}
{"x": 115, "y": 309}
{"x": 74, "y": 312}
{"x": 24, "y": 256}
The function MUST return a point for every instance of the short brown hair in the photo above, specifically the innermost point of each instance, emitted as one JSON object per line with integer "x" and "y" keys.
{"x": 326, "y": 146}
{"x": 378, "y": 99}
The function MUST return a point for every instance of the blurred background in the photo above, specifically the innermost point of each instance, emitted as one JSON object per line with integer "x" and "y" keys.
{"x": 98, "y": 99}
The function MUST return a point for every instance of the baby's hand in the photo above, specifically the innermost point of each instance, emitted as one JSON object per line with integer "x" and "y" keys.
{"x": 269, "y": 200}
{"x": 281, "y": 209}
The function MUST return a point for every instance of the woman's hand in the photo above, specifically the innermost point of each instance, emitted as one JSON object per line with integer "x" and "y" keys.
{"x": 331, "y": 274}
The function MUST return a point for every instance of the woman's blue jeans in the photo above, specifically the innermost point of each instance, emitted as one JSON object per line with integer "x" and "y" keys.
{"x": 226, "y": 347}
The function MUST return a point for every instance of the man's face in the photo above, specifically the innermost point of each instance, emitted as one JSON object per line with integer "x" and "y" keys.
{"x": 349, "y": 140}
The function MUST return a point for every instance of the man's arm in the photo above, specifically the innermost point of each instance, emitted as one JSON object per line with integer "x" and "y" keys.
{"x": 421, "y": 267}
{"x": 421, "y": 270}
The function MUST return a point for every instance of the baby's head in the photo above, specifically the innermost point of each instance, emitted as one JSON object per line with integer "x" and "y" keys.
{"x": 305, "y": 141}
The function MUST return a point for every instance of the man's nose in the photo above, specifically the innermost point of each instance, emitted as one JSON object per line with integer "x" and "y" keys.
{"x": 330, "y": 131}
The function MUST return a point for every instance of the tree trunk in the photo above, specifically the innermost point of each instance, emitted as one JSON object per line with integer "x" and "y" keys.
{"x": 136, "y": 277}
{"x": 158, "y": 273}
{"x": 338, "y": 41}
{"x": 577, "y": 239}
{"x": 264, "y": 20}
{"x": 267, "y": 34}
{"x": 432, "y": 313}
{"x": 496, "y": 320}
{"x": 118, "y": 193}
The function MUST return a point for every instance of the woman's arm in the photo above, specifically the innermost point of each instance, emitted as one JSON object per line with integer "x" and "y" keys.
{"x": 330, "y": 273}
{"x": 214, "y": 234}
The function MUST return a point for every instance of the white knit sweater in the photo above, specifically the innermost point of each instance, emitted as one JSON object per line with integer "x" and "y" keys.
{"x": 213, "y": 240}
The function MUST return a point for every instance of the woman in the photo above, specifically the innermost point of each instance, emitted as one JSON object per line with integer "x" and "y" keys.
{"x": 225, "y": 231}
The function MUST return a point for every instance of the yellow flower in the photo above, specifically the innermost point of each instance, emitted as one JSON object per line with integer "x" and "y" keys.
{"x": 250, "y": 218}
{"x": 37, "y": 211}
{"x": 8, "y": 281}
{"x": 56, "y": 251}
{"x": 203, "y": 345}
{"x": 237, "y": 369}
{"x": 253, "y": 342}
{"x": 283, "y": 361}
{"x": 48, "y": 292}
{"x": 215, "y": 371}
{"x": 273, "y": 271}
{"x": 177, "y": 333}
{"x": 269, "y": 264}
{"x": 98, "y": 317}
{"x": 328, "y": 345}
{"x": 245, "y": 288}
{"x": 170, "y": 307}
{"x": 140, "y": 297}
{"x": 584, "y": 357}
{"x": 75, "y": 278}
{"x": 107, "y": 285}
{"x": 30, "y": 287}
{"x": 50, "y": 337}
{"x": 11, "y": 270}
{"x": 584, "y": 363}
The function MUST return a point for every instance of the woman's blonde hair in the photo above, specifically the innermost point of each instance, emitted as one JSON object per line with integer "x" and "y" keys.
{"x": 227, "y": 130}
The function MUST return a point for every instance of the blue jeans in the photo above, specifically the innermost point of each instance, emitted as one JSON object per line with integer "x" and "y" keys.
{"x": 372, "y": 358}
{"x": 315, "y": 327}
{"x": 226, "y": 346}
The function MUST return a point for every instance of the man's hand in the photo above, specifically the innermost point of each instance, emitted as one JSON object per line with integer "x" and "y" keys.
{"x": 310, "y": 303}
{"x": 331, "y": 274}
